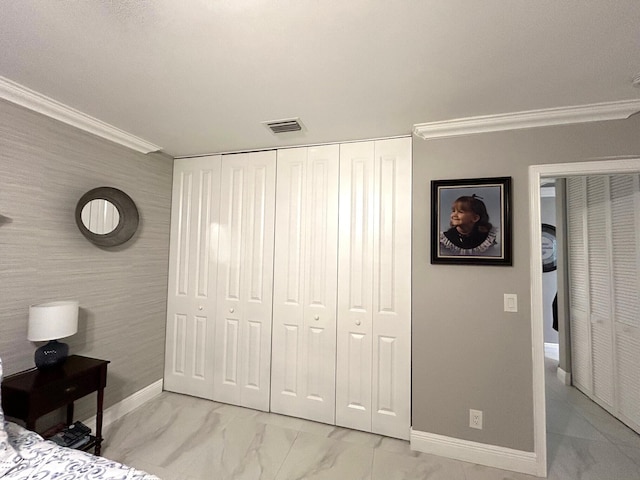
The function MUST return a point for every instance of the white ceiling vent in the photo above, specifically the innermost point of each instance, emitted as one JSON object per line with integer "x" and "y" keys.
{"x": 284, "y": 126}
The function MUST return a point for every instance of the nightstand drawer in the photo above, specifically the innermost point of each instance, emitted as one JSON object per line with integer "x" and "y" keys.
{"x": 60, "y": 394}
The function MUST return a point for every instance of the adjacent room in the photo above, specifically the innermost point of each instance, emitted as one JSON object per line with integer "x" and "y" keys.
{"x": 330, "y": 240}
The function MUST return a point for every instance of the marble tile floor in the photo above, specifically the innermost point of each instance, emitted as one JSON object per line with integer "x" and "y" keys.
{"x": 178, "y": 437}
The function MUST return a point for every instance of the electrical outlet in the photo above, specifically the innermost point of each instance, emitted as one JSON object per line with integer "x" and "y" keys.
{"x": 475, "y": 419}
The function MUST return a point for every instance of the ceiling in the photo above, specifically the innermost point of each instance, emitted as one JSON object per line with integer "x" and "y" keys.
{"x": 199, "y": 76}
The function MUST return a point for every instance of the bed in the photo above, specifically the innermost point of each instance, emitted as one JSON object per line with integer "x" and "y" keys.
{"x": 25, "y": 455}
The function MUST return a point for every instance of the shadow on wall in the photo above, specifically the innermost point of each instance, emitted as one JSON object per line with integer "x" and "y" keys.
{"x": 4, "y": 220}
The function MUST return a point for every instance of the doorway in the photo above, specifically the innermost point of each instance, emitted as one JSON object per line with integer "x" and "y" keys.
{"x": 537, "y": 176}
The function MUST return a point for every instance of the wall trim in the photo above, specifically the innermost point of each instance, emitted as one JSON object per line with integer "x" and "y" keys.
{"x": 564, "y": 377}
{"x": 538, "y": 173}
{"x": 25, "y": 97}
{"x": 474, "y": 452}
{"x": 120, "y": 409}
{"x": 528, "y": 119}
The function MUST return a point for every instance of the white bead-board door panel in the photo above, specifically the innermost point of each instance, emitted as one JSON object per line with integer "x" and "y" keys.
{"x": 191, "y": 299}
{"x": 355, "y": 286}
{"x": 604, "y": 226}
{"x": 391, "y": 388}
{"x": 374, "y": 318}
{"x": 305, "y": 283}
{"x": 245, "y": 280}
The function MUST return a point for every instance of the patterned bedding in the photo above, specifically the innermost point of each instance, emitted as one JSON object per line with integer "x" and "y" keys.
{"x": 43, "y": 460}
{"x": 25, "y": 455}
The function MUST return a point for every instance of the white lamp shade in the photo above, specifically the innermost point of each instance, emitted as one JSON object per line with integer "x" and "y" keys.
{"x": 51, "y": 321}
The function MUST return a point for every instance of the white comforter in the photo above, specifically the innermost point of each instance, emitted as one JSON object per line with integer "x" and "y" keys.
{"x": 44, "y": 460}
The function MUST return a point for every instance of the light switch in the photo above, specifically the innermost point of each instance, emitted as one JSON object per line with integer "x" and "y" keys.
{"x": 510, "y": 302}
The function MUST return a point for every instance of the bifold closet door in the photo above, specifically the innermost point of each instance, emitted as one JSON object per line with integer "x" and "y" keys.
{"x": 374, "y": 287}
{"x": 245, "y": 280}
{"x": 604, "y": 261}
{"x": 191, "y": 299}
{"x": 305, "y": 283}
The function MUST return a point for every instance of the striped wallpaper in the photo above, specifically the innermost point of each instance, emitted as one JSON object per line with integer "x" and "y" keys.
{"x": 45, "y": 167}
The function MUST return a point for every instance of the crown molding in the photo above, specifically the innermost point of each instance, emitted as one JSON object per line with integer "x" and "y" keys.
{"x": 25, "y": 97}
{"x": 529, "y": 119}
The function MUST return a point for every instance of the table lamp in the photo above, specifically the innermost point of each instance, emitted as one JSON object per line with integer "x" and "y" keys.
{"x": 51, "y": 321}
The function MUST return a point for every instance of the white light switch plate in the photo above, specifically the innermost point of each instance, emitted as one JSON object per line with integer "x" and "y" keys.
{"x": 510, "y": 302}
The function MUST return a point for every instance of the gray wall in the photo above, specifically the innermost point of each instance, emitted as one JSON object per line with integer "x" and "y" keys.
{"x": 468, "y": 352}
{"x": 45, "y": 167}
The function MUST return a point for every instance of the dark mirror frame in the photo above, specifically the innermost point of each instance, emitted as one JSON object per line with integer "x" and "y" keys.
{"x": 127, "y": 210}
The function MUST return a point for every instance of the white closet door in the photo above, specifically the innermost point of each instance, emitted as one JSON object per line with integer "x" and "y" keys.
{"x": 305, "y": 283}
{"x": 191, "y": 299}
{"x": 245, "y": 273}
{"x": 625, "y": 225}
{"x": 599, "y": 228}
{"x": 578, "y": 286}
{"x": 391, "y": 388}
{"x": 355, "y": 286}
{"x": 604, "y": 254}
{"x": 374, "y": 274}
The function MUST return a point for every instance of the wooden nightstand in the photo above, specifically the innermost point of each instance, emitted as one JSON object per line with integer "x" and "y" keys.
{"x": 31, "y": 394}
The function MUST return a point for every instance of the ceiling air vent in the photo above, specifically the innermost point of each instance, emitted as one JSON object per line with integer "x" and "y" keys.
{"x": 284, "y": 126}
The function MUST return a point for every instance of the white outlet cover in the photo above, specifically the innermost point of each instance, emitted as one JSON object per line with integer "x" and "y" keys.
{"x": 475, "y": 419}
{"x": 510, "y": 302}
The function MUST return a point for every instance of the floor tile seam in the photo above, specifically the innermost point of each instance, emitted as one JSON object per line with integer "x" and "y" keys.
{"x": 284, "y": 459}
{"x": 611, "y": 438}
{"x": 634, "y": 461}
{"x": 606, "y": 442}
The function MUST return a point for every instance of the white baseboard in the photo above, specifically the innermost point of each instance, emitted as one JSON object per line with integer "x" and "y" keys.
{"x": 114, "y": 412}
{"x": 552, "y": 350}
{"x": 565, "y": 377}
{"x": 480, "y": 453}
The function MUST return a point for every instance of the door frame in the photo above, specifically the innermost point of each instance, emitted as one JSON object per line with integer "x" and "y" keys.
{"x": 603, "y": 166}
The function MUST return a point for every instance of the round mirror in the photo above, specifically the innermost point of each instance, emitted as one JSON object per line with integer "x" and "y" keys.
{"x": 107, "y": 216}
{"x": 100, "y": 216}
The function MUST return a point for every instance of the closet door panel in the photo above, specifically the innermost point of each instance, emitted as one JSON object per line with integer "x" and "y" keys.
{"x": 598, "y": 227}
{"x": 625, "y": 223}
{"x": 303, "y": 370}
{"x": 578, "y": 286}
{"x": 191, "y": 299}
{"x": 288, "y": 301}
{"x": 245, "y": 272}
{"x": 604, "y": 220}
{"x": 318, "y": 374}
{"x": 391, "y": 387}
{"x": 355, "y": 281}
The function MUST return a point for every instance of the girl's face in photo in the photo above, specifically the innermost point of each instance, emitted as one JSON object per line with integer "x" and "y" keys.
{"x": 462, "y": 217}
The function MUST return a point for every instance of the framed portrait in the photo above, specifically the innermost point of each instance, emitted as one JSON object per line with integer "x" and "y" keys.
{"x": 471, "y": 221}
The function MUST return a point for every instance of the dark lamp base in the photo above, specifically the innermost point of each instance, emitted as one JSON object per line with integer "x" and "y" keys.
{"x": 51, "y": 355}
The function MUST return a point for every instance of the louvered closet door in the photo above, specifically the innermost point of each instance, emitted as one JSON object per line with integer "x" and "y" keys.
{"x": 305, "y": 283}
{"x": 245, "y": 277}
{"x": 604, "y": 254}
{"x": 578, "y": 287}
{"x": 191, "y": 299}
{"x": 599, "y": 228}
{"x": 374, "y": 319}
{"x": 625, "y": 227}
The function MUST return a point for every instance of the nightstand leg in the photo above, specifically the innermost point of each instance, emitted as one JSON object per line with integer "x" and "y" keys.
{"x": 70, "y": 413}
{"x": 99, "y": 421}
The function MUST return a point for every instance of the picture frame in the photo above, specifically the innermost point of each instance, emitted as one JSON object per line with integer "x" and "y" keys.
{"x": 471, "y": 221}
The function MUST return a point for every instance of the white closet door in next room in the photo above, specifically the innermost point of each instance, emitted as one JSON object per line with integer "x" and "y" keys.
{"x": 604, "y": 261}
{"x": 191, "y": 298}
{"x": 305, "y": 283}
{"x": 374, "y": 287}
{"x": 245, "y": 276}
